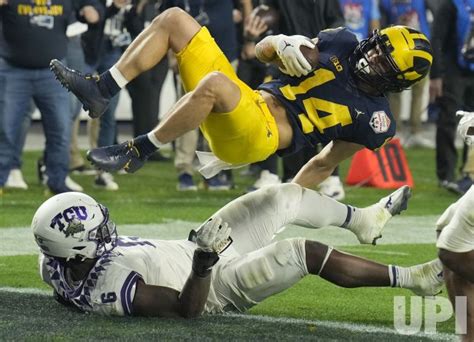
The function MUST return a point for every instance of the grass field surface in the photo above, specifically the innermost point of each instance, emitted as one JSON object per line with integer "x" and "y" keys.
{"x": 148, "y": 205}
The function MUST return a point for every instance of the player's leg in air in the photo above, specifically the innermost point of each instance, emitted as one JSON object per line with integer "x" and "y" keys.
{"x": 149, "y": 48}
{"x": 264, "y": 267}
{"x": 455, "y": 249}
{"x": 212, "y": 86}
{"x": 256, "y": 217}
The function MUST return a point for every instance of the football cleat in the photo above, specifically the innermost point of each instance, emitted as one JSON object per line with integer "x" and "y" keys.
{"x": 370, "y": 221}
{"x": 397, "y": 201}
{"x": 115, "y": 157}
{"x": 426, "y": 279}
{"x": 85, "y": 88}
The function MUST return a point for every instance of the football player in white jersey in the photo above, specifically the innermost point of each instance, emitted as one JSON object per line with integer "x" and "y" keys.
{"x": 456, "y": 239}
{"x": 230, "y": 263}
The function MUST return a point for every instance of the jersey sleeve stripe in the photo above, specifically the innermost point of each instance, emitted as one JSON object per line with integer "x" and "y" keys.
{"x": 126, "y": 292}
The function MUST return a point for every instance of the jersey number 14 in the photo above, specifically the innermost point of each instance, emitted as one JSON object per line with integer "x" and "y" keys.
{"x": 338, "y": 114}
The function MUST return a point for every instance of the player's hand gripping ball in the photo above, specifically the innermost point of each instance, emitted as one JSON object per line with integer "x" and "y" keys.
{"x": 298, "y": 54}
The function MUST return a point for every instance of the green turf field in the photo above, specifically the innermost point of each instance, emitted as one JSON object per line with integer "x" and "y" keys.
{"x": 147, "y": 203}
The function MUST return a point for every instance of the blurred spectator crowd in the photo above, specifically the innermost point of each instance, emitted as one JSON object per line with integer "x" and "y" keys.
{"x": 90, "y": 35}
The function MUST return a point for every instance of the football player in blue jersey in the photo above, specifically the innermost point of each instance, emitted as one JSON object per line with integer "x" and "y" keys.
{"x": 339, "y": 102}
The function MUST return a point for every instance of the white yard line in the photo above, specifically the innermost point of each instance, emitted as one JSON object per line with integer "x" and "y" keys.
{"x": 410, "y": 229}
{"x": 342, "y": 325}
{"x": 29, "y": 290}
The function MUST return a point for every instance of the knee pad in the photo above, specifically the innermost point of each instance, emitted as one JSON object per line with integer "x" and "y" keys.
{"x": 273, "y": 264}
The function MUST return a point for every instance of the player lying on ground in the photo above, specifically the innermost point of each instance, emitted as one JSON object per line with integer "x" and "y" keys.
{"x": 92, "y": 268}
{"x": 456, "y": 240}
{"x": 339, "y": 104}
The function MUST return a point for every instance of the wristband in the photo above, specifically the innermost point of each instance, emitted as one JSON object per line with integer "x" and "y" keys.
{"x": 203, "y": 262}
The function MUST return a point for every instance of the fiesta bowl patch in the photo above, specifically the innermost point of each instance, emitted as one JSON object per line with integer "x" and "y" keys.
{"x": 380, "y": 122}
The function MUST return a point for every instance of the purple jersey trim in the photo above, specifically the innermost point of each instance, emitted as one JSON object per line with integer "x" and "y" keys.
{"x": 126, "y": 292}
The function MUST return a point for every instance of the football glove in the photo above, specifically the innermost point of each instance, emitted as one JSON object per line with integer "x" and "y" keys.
{"x": 212, "y": 238}
{"x": 288, "y": 50}
{"x": 214, "y": 235}
{"x": 466, "y": 126}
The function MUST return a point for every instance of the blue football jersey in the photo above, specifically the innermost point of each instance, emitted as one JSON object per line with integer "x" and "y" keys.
{"x": 326, "y": 104}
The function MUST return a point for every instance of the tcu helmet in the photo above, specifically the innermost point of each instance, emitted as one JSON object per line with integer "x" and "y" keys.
{"x": 407, "y": 58}
{"x": 73, "y": 224}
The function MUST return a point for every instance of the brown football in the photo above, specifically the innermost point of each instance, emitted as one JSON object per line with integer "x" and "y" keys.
{"x": 311, "y": 55}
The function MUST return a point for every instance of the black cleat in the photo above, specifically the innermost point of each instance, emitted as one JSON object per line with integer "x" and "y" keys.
{"x": 85, "y": 88}
{"x": 115, "y": 157}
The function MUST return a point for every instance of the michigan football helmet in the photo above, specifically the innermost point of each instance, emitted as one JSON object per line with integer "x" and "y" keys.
{"x": 73, "y": 224}
{"x": 405, "y": 58}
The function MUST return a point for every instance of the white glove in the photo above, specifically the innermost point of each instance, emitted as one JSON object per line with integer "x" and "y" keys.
{"x": 288, "y": 50}
{"x": 466, "y": 126}
{"x": 214, "y": 235}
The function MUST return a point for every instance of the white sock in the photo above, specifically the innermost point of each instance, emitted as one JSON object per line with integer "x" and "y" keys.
{"x": 400, "y": 276}
{"x": 152, "y": 137}
{"x": 118, "y": 77}
{"x": 354, "y": 219}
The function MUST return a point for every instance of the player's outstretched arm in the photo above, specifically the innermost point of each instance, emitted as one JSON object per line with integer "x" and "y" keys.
{"x": 212, "y": 238}
{"x": 322, "y": 165}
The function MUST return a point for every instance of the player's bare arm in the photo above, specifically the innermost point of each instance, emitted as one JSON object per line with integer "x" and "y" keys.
{"x": 212, "y": 238}
{"x": 162, "y": 301}
{"x": 323, "y": 164}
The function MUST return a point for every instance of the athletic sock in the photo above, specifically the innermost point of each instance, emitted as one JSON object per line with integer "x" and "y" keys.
{"x": 111, "y": 82}
{"x": 144, "y": 146}
{"x": 394, "y": 273}
{"x": 350, "y": 217}
{"x": 154, "y": 140}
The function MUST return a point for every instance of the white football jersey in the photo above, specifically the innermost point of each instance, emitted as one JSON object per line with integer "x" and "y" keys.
{"x": 249, "y": 271}
{"x": 238, "y": 281}
{"x": 110, "y": 285}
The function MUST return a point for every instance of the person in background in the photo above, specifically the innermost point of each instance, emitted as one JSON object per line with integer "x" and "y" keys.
{"x": 361, "y": 16}
{"x": 452, "y": 86}
{"x": 253, "y": 72}
{"x": 32, "y": 39}
{"x": 103, "y": 44}
{"x": 75, "y": 60}
{"x": 15, "y": 178}
{"x": 145, "y": 90}
{"x": 217, "y": 16}
{"x": 412, "y": 13}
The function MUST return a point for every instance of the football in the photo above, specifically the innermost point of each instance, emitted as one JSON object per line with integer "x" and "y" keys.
{"x": 269, "y": 15}
{"x": 311, "y": 55}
